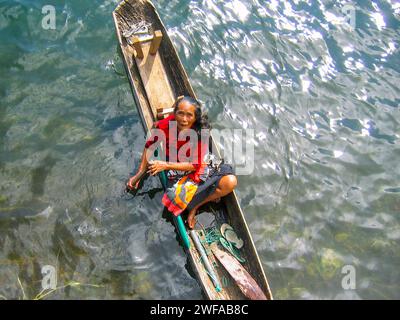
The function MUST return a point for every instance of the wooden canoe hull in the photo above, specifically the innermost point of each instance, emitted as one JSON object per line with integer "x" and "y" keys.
{"x": 173, "y": 78}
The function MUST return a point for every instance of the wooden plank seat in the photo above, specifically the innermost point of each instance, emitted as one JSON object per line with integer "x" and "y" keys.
{"x": 163, "y": 113}
{"x": 153, "y": 74}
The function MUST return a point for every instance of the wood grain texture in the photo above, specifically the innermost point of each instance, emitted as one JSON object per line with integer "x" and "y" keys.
{"x": 243, "y": 279}
{"x": 155, "y": 79}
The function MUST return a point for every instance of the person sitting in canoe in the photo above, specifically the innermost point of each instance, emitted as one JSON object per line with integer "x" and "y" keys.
{"x": 197, "y": 179}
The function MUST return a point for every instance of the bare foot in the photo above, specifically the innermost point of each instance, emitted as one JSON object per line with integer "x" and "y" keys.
{"x": 191, "y": 220}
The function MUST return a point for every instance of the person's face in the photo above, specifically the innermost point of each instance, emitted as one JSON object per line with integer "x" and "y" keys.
{"x": 185, "y": 115}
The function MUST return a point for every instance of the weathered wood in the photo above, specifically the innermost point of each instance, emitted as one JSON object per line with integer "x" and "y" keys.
{"x": 138, "y": 47}
{"x": 155, "y": 43}
{"x": 137, "y": 87}
{"x": 155, "y": 79}
{"x": 244, "y": 280}
{"x": 162, "y": 113}
{"x": 143, "y": 38}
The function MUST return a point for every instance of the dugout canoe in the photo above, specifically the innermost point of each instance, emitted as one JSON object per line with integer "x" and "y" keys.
{"x": 157, "y": 77}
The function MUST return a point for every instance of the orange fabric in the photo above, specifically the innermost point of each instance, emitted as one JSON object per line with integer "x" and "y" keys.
{"x": 177, "y": 197}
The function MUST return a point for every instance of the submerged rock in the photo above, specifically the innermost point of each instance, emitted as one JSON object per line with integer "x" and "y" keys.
{"x": 330, "y": 263}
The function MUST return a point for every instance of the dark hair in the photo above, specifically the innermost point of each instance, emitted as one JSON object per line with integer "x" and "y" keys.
{"x": 201, "y": 121}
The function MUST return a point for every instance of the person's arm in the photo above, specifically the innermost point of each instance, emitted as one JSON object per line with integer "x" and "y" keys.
{"x": 134, "y": 181}
{"x": 197, "y": 166}
{"x": 157, "y": 166}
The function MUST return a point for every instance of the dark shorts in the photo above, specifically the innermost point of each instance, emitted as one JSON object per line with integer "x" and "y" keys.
{"x": 208, "y": 187}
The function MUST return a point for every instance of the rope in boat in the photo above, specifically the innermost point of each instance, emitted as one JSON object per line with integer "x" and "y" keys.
{"x": 213, "y": 235}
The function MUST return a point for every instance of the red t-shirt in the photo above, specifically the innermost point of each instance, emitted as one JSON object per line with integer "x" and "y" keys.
{"x": 173, "y": 144}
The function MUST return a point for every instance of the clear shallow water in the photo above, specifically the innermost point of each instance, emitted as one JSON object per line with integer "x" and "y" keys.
{"x": 323, "y": 101}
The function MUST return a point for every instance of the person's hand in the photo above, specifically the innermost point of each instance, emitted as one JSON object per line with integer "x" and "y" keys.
{"x": 156, "y": 166}
{"x": 133, "y": 183}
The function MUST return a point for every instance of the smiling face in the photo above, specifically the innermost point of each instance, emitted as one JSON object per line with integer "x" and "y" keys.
{"x": 185, "y": 115}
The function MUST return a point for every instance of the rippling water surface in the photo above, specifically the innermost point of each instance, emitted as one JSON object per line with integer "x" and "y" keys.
{"x": 322, "y": 98}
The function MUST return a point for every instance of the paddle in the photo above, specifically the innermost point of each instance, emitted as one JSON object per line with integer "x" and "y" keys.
{"x": 246, "y": 283}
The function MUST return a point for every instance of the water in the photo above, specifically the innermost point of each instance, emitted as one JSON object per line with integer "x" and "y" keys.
{"x": 323, "y": 100}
